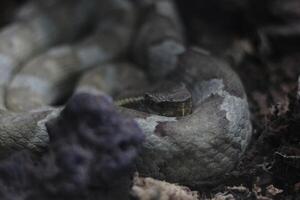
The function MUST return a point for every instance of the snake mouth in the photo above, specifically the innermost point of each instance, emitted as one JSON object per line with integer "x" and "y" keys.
{"x": 170, "y": 109}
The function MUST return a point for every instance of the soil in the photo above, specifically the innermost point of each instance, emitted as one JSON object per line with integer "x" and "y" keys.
{"x": 269, "y": 69}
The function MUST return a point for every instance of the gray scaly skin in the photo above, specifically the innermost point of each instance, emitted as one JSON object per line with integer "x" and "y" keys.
{"x": 191, "y": 149}
{"x": 26, "y": 129}
{"x": 160, "y": 38}
{"x": 112, "y": 79}
{"x": 196, "y": 148}
{"x": 35, "y": 29}
{"x": 49, "y": 76}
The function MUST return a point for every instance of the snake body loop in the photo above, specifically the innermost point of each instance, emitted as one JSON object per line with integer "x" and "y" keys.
{"x": 26, "y": 98}
{"x": 36, "y": 28}
{"x": 198, "y": 147}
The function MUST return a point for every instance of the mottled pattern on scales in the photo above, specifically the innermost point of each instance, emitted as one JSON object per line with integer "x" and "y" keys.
{"x": 123, "y": 49}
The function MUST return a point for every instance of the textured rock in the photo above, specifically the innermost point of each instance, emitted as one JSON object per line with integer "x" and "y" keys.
{"x": 151, "y": 189}
{"x": 91, "y": 155}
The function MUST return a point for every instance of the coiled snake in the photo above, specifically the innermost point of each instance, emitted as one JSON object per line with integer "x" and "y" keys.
{"x": 197, "y": 124}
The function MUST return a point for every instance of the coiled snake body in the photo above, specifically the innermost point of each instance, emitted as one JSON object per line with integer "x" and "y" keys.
{"x": 204, "y": 141}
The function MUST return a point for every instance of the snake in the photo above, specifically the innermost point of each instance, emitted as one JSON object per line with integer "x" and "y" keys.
{"x": 194, "y": 113}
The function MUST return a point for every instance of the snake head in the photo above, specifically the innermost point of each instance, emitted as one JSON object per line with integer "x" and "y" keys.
{"x": 170, "y": 99}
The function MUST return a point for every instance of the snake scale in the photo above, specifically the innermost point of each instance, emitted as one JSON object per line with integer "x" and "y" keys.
{"x": 40, "y": 63}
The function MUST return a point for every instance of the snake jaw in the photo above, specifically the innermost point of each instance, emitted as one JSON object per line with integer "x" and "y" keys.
{"x": 169, "y": 100}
